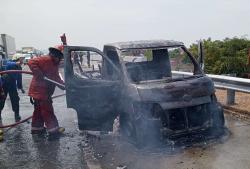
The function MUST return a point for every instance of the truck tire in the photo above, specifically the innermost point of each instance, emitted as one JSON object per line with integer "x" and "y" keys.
{"x": 127, "y": 127}
{"x": 142, "y": 132}
{"x": 218, "y": 116}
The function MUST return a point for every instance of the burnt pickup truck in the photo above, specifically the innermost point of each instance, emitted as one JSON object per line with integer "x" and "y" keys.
{"x": 134, "y": 82}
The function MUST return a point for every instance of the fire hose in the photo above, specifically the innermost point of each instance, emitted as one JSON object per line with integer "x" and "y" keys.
{"x": 30, "y": 73}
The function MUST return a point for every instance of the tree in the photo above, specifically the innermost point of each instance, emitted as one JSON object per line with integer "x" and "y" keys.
{"x": 224, "y": 57}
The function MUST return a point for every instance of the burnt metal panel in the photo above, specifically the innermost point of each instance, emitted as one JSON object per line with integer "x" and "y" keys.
{"x": 182, "y": 103}
{"x": 144, "y": 44}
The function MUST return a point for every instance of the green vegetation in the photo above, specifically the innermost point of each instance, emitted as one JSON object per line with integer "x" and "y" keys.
{"x": 225, "y": 57}
{"x": 148, "y": 54}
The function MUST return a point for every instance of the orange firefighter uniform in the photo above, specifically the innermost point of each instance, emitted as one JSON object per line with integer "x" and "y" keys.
{"x": 41, "y": 90}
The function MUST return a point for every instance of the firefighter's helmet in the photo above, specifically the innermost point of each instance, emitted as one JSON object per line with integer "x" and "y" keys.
{"x": 57, "y": 49}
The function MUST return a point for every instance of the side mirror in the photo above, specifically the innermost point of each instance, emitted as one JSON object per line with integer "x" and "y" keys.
{"x": 201, "y": 54}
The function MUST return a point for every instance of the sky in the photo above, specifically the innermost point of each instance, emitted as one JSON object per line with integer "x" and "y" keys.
{"x": 39, "y": 23}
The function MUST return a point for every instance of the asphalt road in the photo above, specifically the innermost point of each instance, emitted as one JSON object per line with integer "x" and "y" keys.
{"x": 22, "y": 150}
{"x": 79, "y": 150}
{"x": 228, "y": 152}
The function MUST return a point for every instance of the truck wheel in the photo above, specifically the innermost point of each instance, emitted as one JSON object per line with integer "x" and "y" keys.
{"x": 132, "y": 131}
{"x": 218, "y": 116}
{"x": 127, "y": 126}
{"x": 142, "y": 132}
{"x": 148, "y": 132}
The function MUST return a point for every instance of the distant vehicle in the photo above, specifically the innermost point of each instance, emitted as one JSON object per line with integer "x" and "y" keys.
{"x": 31, "y": 50}
{"x": 27, "y": 57}
{"x": 7, "y": 46}
{"x": 28, "y": 49}
{"x": 148, "y": 99}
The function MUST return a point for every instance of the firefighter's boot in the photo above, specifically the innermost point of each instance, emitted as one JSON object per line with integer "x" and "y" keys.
{"x": 39, "y": 132}
{"x": 61, "y": 130}
{"x": 17, "y": 117}
{"x": 56, "y": 134}
{"x": 1, "y": 135}
{"x": 1, "y": 124}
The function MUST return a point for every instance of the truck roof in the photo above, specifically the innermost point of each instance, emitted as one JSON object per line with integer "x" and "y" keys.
{"x": 142, "y": 44}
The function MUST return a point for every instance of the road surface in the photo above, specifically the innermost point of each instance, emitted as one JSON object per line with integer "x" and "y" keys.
{"x": 80, "y": 150}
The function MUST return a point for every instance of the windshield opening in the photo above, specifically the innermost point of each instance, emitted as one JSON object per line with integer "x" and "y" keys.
{"x": 155, "y": 64}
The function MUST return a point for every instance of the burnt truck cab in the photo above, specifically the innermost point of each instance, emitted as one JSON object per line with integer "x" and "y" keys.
{"x": 134, "y": 82}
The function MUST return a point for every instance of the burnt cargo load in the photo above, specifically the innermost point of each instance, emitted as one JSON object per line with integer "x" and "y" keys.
{"x": 134, "y": 81}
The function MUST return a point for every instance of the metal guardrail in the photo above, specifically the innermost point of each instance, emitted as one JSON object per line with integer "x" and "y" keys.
{"x": 232, "y": 84}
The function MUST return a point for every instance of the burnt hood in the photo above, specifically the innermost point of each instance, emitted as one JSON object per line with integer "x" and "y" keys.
{"x": 188, "y": 92}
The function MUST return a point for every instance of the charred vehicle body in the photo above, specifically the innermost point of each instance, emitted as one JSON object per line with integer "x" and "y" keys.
{"x": 134, "y": 81}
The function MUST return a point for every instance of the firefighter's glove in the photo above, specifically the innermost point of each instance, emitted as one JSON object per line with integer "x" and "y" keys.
{"x": 32, "y": 101}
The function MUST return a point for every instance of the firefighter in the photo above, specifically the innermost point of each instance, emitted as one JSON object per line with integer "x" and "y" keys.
{"x": 41, "y": 91}
{"x": 10, "y": 84}
{"x": 19, "y": 62}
